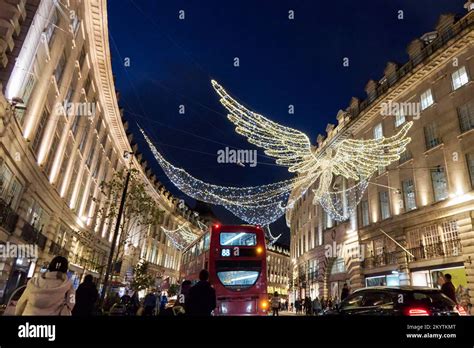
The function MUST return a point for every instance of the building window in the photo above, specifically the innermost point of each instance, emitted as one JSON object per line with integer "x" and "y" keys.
{"x": 58, "y": 73}
{"x": 54, "y": 146}
{"x": 405, "y": 156}
{"x": 82, "y": 57}
{"x": 409, "y": 194}
{"x": 75, "y": 24}
{"x": 459, "y": 78}
{"x": 83, "y": 142}
{"x": 72, "y": 182}
{"x": 378, "y": 131}
{"x": 53, "y": 22}
{"x": 426, "y": 99}
{"x": 400, "y": 117}
{"x": 65, "y": 162}
{"x": 27, "y": 90}
{"x": 440, "y": 185}
{"x": 40, "y": 131}
{"x": 365, "y": 213}
{"x": 384, "y": 205}
{"x": 91, "y": 152}
{"x": 10, "y": 187}
{"x": 431, "y": 136}
{"x": 466, "y": 116}
{"x": 470, "y": 164}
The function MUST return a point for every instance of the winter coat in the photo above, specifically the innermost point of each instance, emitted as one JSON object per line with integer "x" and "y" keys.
{"x": 449, "y": 290}
{"x": 275, "y": 302}
{"x": 50, "y": 293}
{"x": 150, "y": 301}
{"x": 201, "y": 300}
{"x": 86, "y": 297}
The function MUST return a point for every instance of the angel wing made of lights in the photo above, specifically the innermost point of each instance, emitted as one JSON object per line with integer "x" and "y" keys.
{"x": 350, "y": 158}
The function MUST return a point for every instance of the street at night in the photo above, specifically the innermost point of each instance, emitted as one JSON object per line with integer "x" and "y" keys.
{"x": 184, "y": 172}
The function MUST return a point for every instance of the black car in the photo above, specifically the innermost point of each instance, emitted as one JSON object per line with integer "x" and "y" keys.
{"x": 403, "y": 300}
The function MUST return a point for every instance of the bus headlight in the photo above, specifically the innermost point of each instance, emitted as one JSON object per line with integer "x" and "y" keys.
{"x": 264, "y": 305}
{"x": 259, "y": 250}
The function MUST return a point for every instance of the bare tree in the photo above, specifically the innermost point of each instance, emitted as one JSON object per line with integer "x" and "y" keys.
{"x": 140, "y": 211}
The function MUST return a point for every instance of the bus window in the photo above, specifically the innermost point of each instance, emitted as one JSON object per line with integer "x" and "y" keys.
{"x": 238, "y": 280}
{"x": 238, "y": 238}
{"x": 207, "y": 239}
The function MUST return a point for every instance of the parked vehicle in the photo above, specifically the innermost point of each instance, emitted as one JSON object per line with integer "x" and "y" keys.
{"x": 403, "y": 300}
{"x": 10, "y": 306}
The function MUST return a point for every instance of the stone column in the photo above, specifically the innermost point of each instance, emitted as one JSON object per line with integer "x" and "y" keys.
{"x": 466, "y": 234}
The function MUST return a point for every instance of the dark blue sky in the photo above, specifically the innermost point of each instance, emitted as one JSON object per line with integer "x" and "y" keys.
{"x": 282, "y": 62}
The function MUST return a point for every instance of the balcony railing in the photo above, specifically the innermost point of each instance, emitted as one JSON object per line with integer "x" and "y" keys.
{"x": 440, "y": 249}
{"x": 383, "y": 259}
{"x": 8, "y": 218}
{"x": 33, "y": 235}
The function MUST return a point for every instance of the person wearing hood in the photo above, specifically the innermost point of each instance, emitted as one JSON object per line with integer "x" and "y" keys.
{"x": 50, "y": 293}
{"x": 86, "y": 297}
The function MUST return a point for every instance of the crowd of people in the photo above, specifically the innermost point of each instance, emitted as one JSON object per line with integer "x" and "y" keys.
{"x": 317, "y": 306}
{"x": 52, "y": 293}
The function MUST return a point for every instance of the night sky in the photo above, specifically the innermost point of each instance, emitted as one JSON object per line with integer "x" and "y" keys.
{"x": 282, "y": 62}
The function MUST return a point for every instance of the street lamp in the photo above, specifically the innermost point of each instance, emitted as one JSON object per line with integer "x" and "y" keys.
{"x": 128, "y": 156}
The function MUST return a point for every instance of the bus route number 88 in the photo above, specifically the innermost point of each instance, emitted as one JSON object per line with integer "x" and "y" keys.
{"x": 227, "y": 252}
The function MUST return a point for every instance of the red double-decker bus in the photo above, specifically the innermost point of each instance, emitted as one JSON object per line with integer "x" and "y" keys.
{"x": 235, "y": 257}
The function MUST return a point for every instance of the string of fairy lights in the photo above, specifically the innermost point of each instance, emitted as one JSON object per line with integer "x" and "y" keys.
{"x": 317, "y": 169}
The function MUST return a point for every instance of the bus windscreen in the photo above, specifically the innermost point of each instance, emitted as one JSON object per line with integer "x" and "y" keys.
{"x": 238, "y": 239}
{"x": 238, "y": 280}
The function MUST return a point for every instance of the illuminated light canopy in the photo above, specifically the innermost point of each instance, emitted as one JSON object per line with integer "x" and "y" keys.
{"x": 354, "y": 160}
{"x": 349, "y": 158}
{"x": 257, "y": 205}
{"x": 181, "y": 237}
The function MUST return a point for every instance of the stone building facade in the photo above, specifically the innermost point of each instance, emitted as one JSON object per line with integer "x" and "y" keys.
{"x": 414, "y": 222}
{"x": 61, "y": 134}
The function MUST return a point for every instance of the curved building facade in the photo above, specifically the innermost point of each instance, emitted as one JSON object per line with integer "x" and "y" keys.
{"x": 61, "y": 135}
{"x": 415, "y": 221}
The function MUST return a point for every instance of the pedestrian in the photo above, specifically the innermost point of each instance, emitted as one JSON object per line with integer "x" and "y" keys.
{"x": 163, "y": 302}
{"x": 344, "y": 292}
{"x": 149, "y": 304}
{"x": 202, "y": 296}
{"x": 86, "y": 298}
{"x": 110, "y": 300}
{"x": 448, "y": 288}
{"x": 307, "y": 305}
{"x": 316, "y": 306}
{"x": 286, "y": 305}
{"x": 275, "y": 302}
{"x": 49, "y": 293}
{"x": 298, "y": 306}
{"x": 180, "y": 305}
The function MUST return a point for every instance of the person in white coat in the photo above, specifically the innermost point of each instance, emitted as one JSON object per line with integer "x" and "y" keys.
{"x": 50, "y": 293}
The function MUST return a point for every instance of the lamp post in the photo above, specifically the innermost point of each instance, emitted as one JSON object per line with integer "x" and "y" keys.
{"x": 117, "y": 229}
